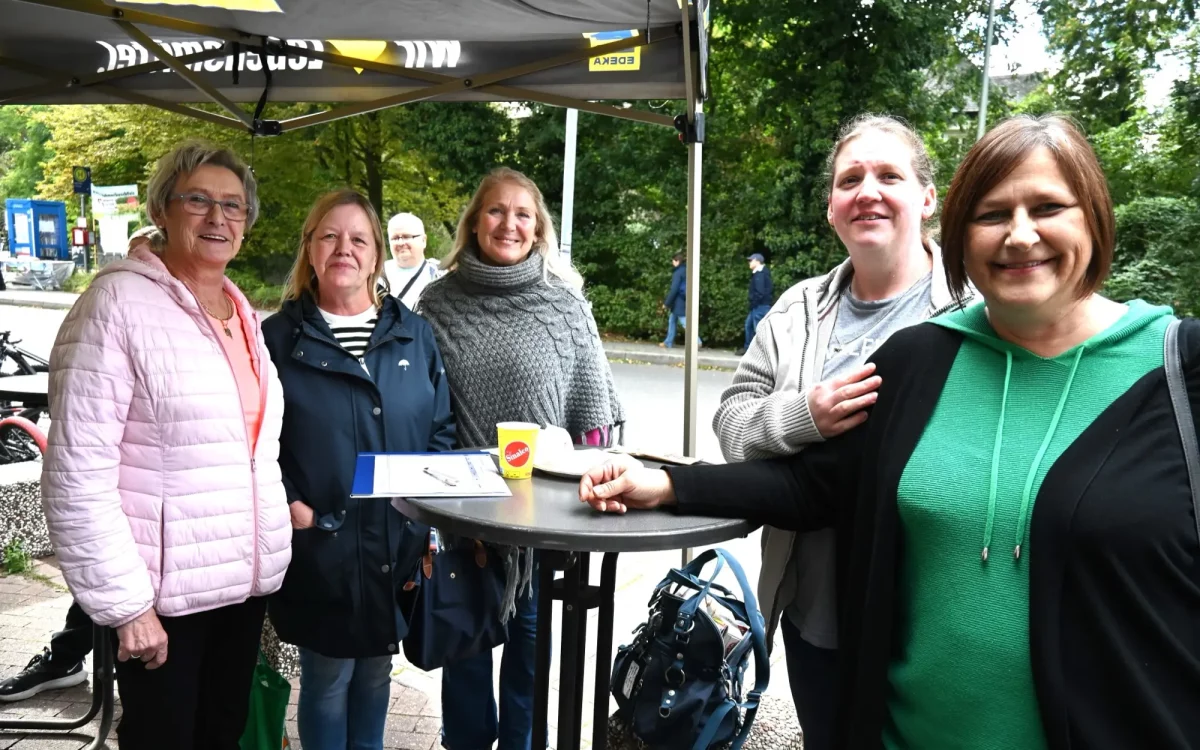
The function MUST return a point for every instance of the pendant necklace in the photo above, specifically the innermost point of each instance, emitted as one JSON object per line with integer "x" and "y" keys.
{"x": 223, "y": 321}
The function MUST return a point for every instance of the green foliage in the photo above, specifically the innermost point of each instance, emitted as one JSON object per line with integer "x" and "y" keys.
{"x": 1156, "y": 257}
{"x": 16, "y": 558}
{"x": 1106, "y": 49}
{"x": 79, "y": 281}
{"x": 23, "y": 150}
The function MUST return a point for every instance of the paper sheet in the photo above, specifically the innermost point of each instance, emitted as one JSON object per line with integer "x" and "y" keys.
{"x": 412, "y": 475}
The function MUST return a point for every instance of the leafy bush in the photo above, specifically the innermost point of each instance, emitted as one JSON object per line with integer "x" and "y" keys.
{"x": 1156, "y": 258}
{"x": 262, "y": 296}
{"x": 79, "y": 281}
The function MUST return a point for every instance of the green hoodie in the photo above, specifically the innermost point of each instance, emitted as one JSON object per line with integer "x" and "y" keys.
{"x": 961, "y": 676}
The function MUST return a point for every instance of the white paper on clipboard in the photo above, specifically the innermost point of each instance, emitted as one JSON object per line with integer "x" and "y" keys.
{"x": 417, "y": 475}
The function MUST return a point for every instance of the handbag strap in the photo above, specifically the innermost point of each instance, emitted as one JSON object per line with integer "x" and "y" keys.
{"x": 413, "y": 280}
{"x": 762, "y": 662}
{"x": 1177, "y": 387}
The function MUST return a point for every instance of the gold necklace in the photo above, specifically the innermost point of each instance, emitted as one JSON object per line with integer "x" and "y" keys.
{"x": 223, "y": 321}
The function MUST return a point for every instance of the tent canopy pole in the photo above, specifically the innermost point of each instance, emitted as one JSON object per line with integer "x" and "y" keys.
{"x": 186, "y": 73}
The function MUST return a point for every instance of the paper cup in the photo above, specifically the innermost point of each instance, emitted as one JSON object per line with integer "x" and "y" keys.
{"x": 517, "y": 441}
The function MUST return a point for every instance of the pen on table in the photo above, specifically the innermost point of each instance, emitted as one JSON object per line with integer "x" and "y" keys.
{"x": 443, "y": 478}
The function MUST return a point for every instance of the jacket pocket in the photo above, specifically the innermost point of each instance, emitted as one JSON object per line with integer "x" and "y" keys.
{"x": 317, "y": 573}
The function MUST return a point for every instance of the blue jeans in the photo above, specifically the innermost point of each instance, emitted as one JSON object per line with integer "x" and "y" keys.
{"x": 752, "y": 320}
{"x": 671, "y": 320}
{"x": 469, "y": 720}
{"x": 343, "y": 702}
{"x": 813, "y": 674}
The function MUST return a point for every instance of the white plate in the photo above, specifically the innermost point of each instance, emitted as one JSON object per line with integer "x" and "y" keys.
{"x": 571, "y": 465}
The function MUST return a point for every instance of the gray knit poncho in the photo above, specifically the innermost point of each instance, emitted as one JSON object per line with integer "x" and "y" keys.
{"x": 518, "y": 348}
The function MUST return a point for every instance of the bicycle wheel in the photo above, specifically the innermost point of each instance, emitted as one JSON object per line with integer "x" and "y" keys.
{"x": 20, "y": 440}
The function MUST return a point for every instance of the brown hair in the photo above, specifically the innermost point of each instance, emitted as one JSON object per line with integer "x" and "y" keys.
{"x": 922, "y": 165}
{"x": 302, "y": 277}
{"x": 995, "y": 157}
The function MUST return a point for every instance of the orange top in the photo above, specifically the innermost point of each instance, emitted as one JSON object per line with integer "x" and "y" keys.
{"x": 237, "y": 349}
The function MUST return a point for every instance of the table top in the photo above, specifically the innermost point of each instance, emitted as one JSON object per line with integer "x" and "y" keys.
{"x": 31, "y": 390}
{"x": 545, "y": 513}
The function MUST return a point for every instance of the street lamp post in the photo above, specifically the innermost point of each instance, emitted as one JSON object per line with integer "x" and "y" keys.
{"x": 987, "y": 55}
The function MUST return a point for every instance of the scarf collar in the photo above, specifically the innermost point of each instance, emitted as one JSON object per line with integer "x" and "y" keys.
{"x": 499, "y": 279}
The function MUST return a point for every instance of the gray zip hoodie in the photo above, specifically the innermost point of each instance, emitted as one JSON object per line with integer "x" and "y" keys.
{"x": 765, "y": 413}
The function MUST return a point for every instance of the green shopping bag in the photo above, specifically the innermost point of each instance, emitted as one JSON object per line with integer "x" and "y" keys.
{"x": 268, "y": 708}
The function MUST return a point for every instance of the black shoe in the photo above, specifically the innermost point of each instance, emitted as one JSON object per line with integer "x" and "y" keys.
{"x": 40, "y": 674}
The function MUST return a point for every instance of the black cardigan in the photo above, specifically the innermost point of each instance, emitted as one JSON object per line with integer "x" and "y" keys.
{"x": 1114, "y": 600}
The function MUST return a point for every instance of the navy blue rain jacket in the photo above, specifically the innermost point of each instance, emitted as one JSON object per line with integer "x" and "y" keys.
{"x": 338, "y": 597}
{"x": 762, "y": 289}
{"x": 676, "y": 300}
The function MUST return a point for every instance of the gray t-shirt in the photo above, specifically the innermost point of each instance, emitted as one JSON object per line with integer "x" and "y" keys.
{"x": 860, "y": 328}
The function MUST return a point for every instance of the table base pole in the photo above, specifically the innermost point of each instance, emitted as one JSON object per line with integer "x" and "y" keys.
{"x": 578, "y": 596}
{"x": 541, "y": 682}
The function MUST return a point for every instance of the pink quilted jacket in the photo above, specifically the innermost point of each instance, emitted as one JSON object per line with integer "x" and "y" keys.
{"x": 150, "y": 492}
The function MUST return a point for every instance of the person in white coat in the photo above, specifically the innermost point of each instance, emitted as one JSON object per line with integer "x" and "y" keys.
{"x": 408, "y": 271}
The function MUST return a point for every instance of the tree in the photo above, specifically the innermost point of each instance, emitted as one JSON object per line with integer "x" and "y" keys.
{"x": 23, "y": 150}
{"x": 1106, "y": 47}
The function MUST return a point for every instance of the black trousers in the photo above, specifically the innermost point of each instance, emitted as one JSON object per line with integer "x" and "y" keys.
{"x": 71, "y": 644}
{"x": 812, "y": 672}
{"x": 198, "y": 699}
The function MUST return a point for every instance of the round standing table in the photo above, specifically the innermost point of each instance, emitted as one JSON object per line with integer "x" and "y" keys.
{"x": 545, "y": 513}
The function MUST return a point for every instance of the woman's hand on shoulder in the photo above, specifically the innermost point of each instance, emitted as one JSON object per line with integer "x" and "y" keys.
{"x": 623, "y": 483}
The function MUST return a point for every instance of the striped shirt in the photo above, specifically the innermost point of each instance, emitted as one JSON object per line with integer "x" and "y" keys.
{"x": 353, "y": 332}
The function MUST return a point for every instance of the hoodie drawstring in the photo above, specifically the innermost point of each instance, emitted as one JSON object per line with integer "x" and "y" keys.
{"x": 1026, "y": 495}
{"x": 991, "y": 515}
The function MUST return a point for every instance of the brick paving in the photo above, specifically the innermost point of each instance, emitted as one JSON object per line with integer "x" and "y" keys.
{"x": 31, "y": 609}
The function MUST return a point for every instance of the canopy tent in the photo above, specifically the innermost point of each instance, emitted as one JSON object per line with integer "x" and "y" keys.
{"x": 366, "y": 55}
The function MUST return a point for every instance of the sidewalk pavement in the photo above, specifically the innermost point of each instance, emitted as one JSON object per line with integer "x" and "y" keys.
{"x": 621, "y": 351}
{"x": 33, "y": 607}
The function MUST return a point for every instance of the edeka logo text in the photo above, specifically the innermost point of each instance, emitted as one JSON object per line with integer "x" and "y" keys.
{"x": 516, "y": 454}
{"x": 619, "y": 61}
{"x": 626, "y": 59}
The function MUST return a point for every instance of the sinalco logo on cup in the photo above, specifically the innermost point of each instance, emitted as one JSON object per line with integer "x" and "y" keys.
{"x": 516, "y": 454}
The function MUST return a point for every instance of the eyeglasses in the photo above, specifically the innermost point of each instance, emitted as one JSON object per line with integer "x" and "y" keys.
{"x": 199, "y": 204}
{"x": 406, "y": 237}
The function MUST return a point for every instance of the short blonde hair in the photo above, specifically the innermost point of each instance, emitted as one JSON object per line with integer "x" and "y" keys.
{"x": 302, "y": 278}
{"x": 186, "y": 158}
{"x": 545, "y": 241}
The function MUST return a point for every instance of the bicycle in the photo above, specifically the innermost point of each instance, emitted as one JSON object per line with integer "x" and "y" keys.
{"x": 17, "y": 361}
{"x": 20, "y": 440}
{"x": 25, "y": 362}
